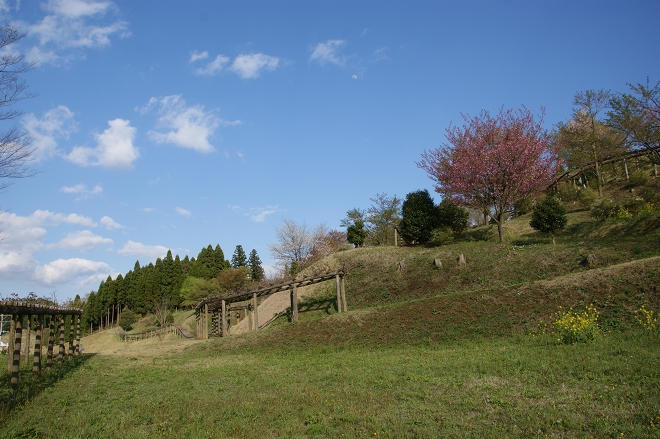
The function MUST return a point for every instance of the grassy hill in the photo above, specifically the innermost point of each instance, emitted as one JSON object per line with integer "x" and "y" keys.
{"x": 422, "y": 352}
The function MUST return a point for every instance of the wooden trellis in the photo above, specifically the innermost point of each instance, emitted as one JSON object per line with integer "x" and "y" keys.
{"x": 41, "y": 317}
{"x": 220, "y": 306}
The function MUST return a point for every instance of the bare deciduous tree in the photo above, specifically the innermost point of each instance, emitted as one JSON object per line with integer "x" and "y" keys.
{"x": 297, "y": 244}
{"x": 162, "y": 310}
{"x": 15, "y": 144}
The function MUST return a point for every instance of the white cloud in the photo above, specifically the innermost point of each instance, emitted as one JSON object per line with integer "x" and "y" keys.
{"x": 260, "y": 215}
{"x": 114, "y": 148}
{"x": 189, "y": 127}
{"x": 56, "y": 123}
{"x": 14, "y": 265}
{"x": 139, "y": 249}
{"x": 213, "y": 67}
{"x": 148, "y": 209}
{"x": 328, "y": 52}
{"x": 182, "y": 211}
{"x": 77, "y": 8}
{"x": 256, "y": 214}
{"x": 354, "y": 77}
{"x": 249, "y": 66}
{"x": 109, "y": 223}
{"x": 82, "y": 190}
{"x": 73, "y": 24}
{"x": 83, "y": 240}
{"x": 196, "y": 56}
{"x": 68, "y": 270}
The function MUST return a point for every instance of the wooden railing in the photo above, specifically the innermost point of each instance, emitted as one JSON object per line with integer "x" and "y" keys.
{"x": 179, "y": 330}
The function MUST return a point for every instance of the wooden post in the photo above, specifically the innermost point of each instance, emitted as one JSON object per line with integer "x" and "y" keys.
{"x": 343, "y": 293}
{"x": 60, "y": 354}
{"x": 625, "y": 166}
{"x": 51, "y": 342}
{"x": 338, "y": 294}
{"x": 16, "y": 354}
{"x": 396, "y": 235}
{"x": 256, "y": 312}
{"x": 10, "y": 344}
{"x": 70, "y": 334}
{"x": 27, "y": 344}
{"x": 223, "y": 320}
{"x": 294, "y": 304}
{"x": 214, "y": 323}
{"x": 36, "y": 364}
{"x": 206, "y": 320}
{"x": 78, "y": 335}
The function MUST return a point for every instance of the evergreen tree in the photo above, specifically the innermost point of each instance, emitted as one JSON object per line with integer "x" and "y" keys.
{"x": 254, "y": 265}
{"x": 549, "y": 216}
{"x": 220, "y": 262}
{"x": 419, "y": 217}
{"x": 239, "y": 259}
{"x": 356, "y": 234}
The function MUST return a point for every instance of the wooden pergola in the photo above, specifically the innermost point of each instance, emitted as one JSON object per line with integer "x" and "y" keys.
{"x": 42, "y": 317}
{"x": 220, "y": 306}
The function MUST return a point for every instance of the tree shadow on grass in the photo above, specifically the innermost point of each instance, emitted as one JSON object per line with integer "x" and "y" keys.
{"x": 30, "y": 386}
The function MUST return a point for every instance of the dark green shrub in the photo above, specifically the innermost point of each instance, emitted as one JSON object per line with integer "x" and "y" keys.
{"x": 549, "y": 216}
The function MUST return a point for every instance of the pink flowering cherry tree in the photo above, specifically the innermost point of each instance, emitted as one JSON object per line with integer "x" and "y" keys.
{"x": 491, "y": 162}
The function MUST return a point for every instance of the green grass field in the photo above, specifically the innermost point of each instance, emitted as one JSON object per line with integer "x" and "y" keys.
{"x": 424, "y": 352}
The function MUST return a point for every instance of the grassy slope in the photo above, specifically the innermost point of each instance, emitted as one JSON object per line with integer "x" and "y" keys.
{"x": 422, "y": 353}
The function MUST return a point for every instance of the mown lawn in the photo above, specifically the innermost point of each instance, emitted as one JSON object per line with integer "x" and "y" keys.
{"x": 523, "y": 386}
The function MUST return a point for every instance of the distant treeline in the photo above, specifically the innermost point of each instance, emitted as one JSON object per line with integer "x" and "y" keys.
{"x": 142, "y": 288}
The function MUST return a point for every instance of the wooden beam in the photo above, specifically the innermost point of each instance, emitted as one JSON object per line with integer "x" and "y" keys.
{"x": 10, "y": 344}
{"x": 338, "y": 293}
{"x": 28, "y": 340}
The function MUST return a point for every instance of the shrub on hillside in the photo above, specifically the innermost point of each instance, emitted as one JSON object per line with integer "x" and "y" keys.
{"x": 572, "y": 326}
{"x": 639, "y": 178}
{"x": 127, "y": 319}
{"x": 607, "y": 208}
{"x": 452, "y": 216}
{"x": 549, "y": 216}
{"x": 586, "y": 197}
{"x": 568, "y": 192}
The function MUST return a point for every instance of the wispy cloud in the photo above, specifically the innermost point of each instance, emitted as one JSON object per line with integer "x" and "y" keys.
{"x": 189, "y": 127}
{"x": 109, "y": 223}
{"x": 256, "y": 214}
{"x": 114, "y": 148}
{"x": 328, "y": 52}
{"x": 71, "y": 25}
{"x": 247, "y": 66}
{"x": 196, "y": 56}
{"x": 183, "y": 212}
{"x": 55, "y": 124}
{"x": 213, "y": 67}
{"x": 82, "y": 190}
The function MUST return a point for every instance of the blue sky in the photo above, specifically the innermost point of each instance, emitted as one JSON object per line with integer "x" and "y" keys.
{"x": 174, "y": 125}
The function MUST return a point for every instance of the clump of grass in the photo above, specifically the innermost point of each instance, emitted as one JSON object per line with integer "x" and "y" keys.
{"x": 573, "y": 326}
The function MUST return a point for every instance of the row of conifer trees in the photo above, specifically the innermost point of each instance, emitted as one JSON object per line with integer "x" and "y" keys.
{"x": 144, "y": 286}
